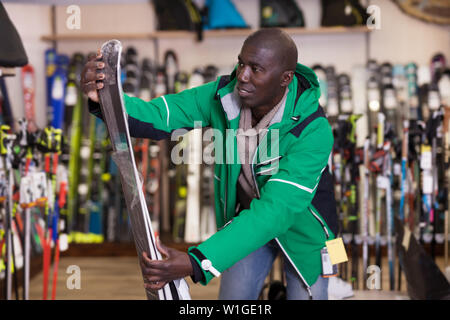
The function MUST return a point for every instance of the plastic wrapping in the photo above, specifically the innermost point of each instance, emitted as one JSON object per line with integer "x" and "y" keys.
{"x": 114, "y": 115}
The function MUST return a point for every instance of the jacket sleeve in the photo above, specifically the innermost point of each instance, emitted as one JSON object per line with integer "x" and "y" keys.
{"x": 157, "y": 118}
{"x": 284, "y": 196}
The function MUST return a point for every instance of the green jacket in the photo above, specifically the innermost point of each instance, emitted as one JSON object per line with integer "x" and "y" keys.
{"x": 287, "y": 180}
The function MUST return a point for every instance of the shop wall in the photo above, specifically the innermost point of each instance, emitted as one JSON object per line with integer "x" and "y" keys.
{"x": 401, "y": 39}
{"x": 31, "y": 22}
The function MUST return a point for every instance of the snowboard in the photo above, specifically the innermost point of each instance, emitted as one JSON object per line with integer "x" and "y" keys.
{"x": 115, "y": 117}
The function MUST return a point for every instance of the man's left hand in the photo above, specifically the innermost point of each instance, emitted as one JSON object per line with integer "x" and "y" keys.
{"x": 157, "y": 273}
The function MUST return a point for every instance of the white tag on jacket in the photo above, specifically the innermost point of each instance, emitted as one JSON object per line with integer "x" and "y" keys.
{"x": 327, "y": 266}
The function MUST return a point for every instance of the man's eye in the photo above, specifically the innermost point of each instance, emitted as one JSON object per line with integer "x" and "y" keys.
{"x": 256, "y": 69}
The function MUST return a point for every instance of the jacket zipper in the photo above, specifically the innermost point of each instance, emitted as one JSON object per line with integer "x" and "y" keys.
{"x": 321, "y": 223}
{"x": 225, "y": 206}
{"x": 253, "y": 172}
{"x": 308, "y": 288}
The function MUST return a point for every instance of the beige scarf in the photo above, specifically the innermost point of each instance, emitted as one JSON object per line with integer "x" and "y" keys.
{"x": 248, "y": 139}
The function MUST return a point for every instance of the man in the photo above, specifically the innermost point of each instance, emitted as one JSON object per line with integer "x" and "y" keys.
{"x": 264, "y": 203}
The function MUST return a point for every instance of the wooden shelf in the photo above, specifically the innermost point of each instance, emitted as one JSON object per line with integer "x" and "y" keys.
{"x": 105, "y": 36}
{"x": 207, "y": 34}
{"x": 326, "y": 30}
{"x": 117, "y": 249}
{"x": 246, "y": 32}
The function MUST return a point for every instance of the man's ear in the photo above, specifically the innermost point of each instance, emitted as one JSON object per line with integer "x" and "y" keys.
{"x": 286, "y": 78}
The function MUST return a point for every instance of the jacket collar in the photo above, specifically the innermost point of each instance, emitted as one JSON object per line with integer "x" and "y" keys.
{"x": 303, "y": 87}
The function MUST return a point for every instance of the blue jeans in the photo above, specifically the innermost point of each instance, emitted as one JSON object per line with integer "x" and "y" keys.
{"x": 245, "y": 279}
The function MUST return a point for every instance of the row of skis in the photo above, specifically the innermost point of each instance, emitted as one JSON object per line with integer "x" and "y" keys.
{"x": 58, "y": 184}
{"x": 390, "y": 160}
{"x": 33, "y": 184}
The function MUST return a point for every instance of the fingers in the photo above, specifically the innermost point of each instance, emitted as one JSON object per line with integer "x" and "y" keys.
{"x": 95, "y": 56}
{"x": 154, "y": 282}
{"x": 90, "y": 89}
{"x": 93, "y": 86}
{"x": 161, "y": 248}
{"x": 155, "y": 272}
{"x": 155, "y": 286}
{"x": 91, "y": 78}
{"x": 90, "y": 71}
{"x": 155, "y": 275}
{"x": 148, "y": 263}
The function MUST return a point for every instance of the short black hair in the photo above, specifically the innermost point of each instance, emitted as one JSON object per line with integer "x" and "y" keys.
{"x": 279, "y": 41}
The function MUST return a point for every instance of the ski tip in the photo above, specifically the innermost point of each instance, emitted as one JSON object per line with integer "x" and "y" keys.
{"x": 111, "y": 52}
{"x": 109, "y": 45}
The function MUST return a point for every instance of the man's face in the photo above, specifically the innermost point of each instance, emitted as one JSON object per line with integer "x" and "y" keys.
{"x": 259, "y": 76}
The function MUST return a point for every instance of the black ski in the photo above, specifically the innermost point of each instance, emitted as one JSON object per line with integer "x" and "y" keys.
{"x": 116, "y": 121}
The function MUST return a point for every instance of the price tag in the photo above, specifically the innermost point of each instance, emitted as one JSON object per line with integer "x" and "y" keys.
{"x": 425, "y": 157}
{"x": 336, "y": 250}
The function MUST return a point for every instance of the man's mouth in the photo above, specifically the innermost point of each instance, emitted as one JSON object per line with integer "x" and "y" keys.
{"x": 243, "y": 92}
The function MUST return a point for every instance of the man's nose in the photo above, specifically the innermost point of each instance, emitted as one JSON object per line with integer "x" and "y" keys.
{"x": 244, "y": 74}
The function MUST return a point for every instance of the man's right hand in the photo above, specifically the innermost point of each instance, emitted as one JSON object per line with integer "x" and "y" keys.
{"x": 91, "y": 80}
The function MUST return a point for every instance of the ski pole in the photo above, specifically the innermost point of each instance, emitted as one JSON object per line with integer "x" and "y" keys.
{"x": 56, "y": 148}
{"x": 435, "y": 125}
{"x": 387, "y": 174}
{"x": 353, "y": 217}
{"x": 55, "y": 239}
{"x": 26, "y": 202}
{"x": 404, "y": 169}
{"x": 5, "y": 151}
{"x": 380, "y": 186}
{"x": 446, "y": 127}
{"x": 45, "y": 143}
{"x": 365, "y": 215}
{"x": 62, "y": 193}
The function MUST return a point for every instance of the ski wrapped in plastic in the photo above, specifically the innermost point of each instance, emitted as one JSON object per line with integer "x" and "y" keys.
{"x": 115, "y": 118}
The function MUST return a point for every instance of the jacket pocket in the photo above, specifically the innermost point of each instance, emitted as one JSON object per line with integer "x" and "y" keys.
{"x": 267, "y": 167}
{"x": 322, "y": 224}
